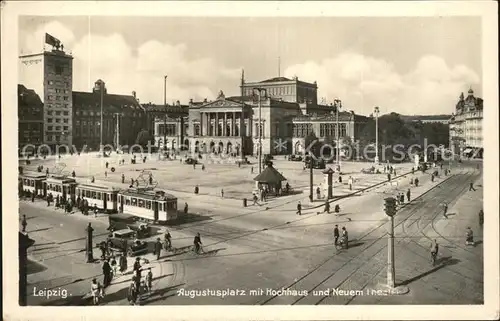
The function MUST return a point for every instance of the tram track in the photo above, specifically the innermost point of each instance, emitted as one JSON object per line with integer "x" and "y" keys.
{"x": 381, "y": 264}
{"x": 370, "y": 247}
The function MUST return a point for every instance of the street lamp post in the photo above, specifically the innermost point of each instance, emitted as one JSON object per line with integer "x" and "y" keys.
{"x": 165, "y": 115}
{"x": 376, "y": 111}
{"x": 338, "y": 104}
{"x": 101, "y": 147}
{"x": 117, "y": 130}
{"x": 259, "y": 94}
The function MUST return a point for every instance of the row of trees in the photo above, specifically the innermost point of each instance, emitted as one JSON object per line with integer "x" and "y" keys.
{"x": 392, "y": 131}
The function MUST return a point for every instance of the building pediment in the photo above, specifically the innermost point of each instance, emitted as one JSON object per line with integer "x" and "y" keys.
{"x": 223, "y": 103}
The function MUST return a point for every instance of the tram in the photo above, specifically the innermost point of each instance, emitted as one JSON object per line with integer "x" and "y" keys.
{"x": 33, "y": 182}
{"x": 148, "y": 204}
{"x": 61, "y": 186}
{"x": 104, "y": 197}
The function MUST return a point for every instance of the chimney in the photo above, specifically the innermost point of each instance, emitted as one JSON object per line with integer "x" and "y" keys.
{"x": 134, "y": 94}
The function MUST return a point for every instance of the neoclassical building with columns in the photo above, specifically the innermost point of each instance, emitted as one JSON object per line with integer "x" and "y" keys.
{"x": 288, "y": 112}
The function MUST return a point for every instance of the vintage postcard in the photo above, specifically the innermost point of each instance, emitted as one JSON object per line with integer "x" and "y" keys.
{"x": 250, "y": 160}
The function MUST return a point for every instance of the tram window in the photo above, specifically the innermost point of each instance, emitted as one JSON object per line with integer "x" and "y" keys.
{"x": 134, "y": 201}
{"x": 98, "y": 195}
{"x": 109, "y": 197}
{"x": 93, "y": 195}
{"x": 141, "y": 203}
{"x": 148, "y": 205}
{"x": 169, "y": 205}
{"x": 127, "y": 200}
{"x": 160, "y": 206}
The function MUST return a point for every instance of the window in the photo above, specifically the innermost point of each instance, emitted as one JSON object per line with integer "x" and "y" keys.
{"x": 160, "y": 206}
{"x": 98, "y": 196}
{"x": 58, "y": 128}
{"x": 65, "y": 128}
{"x": 49, "y": 112}
{"x": 58, "y": 120}
{"x": 58, "y": 97}
{"x": 49, "y": 128}
{"x": 65, "y": 98}
{"x": 59, "y": 70}
{"x": 51, "y": 82}
{"x": 65, "y": 120}
{"x": 141, "y": 203}
{"x": 58, "y": 113}
{"x": 148, "y": 205}
{"x": 65, "y": 113}
{"x": 196, "y": 130}
{"x": 134, "y": 201}
{"x": 58, "y": 138}
{"x": 49, "y": 120}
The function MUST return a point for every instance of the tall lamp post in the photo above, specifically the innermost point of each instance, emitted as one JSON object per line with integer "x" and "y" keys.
{"x": 338, "y": 104}
{"x": 117, "y": 115}
{"x": 376, "y": 111}
{"x": 101, "y": 86}
{"x": 165, "y": 115}
{"x": 260, "y": 92}
{"x": 391, "y": 288}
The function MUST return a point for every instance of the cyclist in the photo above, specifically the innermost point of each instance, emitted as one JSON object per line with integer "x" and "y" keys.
{"x": 197, "y": 243}
{"x": 168, "y": 241}
{"x": 434, "y": 251}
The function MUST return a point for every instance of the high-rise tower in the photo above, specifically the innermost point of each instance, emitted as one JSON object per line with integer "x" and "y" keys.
{"x": 50, "y": 74}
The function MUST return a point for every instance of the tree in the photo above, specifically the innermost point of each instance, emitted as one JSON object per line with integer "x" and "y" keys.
{"x": 312, "y": 144}
{"x": 143, "y": 138}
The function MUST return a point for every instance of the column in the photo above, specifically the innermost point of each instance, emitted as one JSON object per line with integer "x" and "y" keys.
{"x": 224, "y": 127}
{"x": 216, "y": 127}
{"x": 233, "y": 124}
{"x": 201, "y": 125}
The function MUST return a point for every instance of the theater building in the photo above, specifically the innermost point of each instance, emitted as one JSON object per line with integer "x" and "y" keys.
{"x": 30, "y": 118}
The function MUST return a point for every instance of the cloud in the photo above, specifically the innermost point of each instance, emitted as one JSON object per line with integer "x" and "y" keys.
{"x": 125, "y": 69}
{"x": 34, "y": 42}
{"x": 431, "y": 87}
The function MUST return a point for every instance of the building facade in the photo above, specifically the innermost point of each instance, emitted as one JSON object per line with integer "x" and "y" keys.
{"x": 30, "y": 119}
{"x": 50, "y": 74}
{"x": 123, "y": 118}
{"x": 168, "y": 125}
{"x": 466, "y": 124}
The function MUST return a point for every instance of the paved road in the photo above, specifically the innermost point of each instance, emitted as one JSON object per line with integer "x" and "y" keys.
{"x": 265, "y": 249}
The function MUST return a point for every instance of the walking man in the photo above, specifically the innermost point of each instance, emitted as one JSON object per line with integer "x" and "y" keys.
{"x": 481, "y": 217}
{"x": 471, "y": 187}
{"x": 123, "y": 178}
{"x": 318, "y": 192}
{"x": 158, "y": 249}
{"x": 445, "y": 210}
{"x": 222, "y": 193}
{"x": 327, "y": 207}
{"x": 299, "y": 208}
{"x": 408, "y": 194}
{"x": 336, "y": 234}
{"x": 186, "y": 208}
{"x": 350, "y": 183}
{"x": 24, "y": 223}
{"x": 106, "y": 271}
{"x": 434, "y": 251}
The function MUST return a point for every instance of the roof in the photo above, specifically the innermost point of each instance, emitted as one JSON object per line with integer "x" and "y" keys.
{"x": 269, "y": 175}
{"x": 157, "y": 195}
{"x": 276, "y": 79}
{"x": 33, "y": 175}
{"x": 343, "y": 116}
{"x": 178, "y": 109}
{"x": 111, "y": 101}
{"x": 28, "y": 97}
{"x": 97, "y": 187}
{"x": 60, "y": 179}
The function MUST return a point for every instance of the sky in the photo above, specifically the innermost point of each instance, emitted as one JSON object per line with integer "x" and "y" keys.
{"x": 408, "y": 65}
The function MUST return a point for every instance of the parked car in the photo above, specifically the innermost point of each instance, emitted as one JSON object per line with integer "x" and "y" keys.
{"x": 125, "y": 241}
{"x": 190, "y": 161}
{"x": 295, "y": 158}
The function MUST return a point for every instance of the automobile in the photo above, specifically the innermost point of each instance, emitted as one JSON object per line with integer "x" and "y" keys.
{"x": 190, "y": 161}
{"x": 125, "y": 241}
{"x": 124, "y": 221}
{"x": 295, "y": 158}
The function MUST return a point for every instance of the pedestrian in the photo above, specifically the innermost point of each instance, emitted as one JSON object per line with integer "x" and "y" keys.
{"x": 394, "y": 171}
{"x": 107, "y": 164}
{"x": 327, "y": 207}
{"x": 123, "y": 178}
{"x": 33, "y": 197}
{"x": 132, "y": 292}
{"x": 432, "y": 177}
{"x": 389, "y": 177}
{"x": 196, "y": 189}
{"x": 299, "y": 208}
{"x": 255, "y": 200}
{"x": 445, "y": 210}
{"x": 123, "y": 263}
{"x": 150, "y": 180}
{"x": 158, "y": 247}
{"x": 318, "y": 192}
{"x": 105, "y": 173}
{"x": 194, "y": 165}
{"x": 251, "y": 170}
{"x": 239, "y": 164}
{"x": 186, "y": 208}
{"x": 73, "y": 174}
{"x": 434, "y": 251}
{"x": 345, "y": 237}
{"x": 168, "y": 241}
{"x": 149, "y": 280}
{"x": 340, "y": 178}
{"x": 408, "y": 194}
{"x": 222, "y": 193}
{"x": 197, "y": 243}
{"x": 95, "y": 210}
{"x": 94, "y": 291}
{"x": 413, "y": 170}
{"x": 24, "y": 223}
{"x": 471, "y": 187}
{"x": 92, "y": 180}
{"x": 106, "y": 271}
{"x": 137, "y": 183}
{"x": 336, "y": 233}
{"x": 411, "y": 181}
{"x": 203, "y": 167}
{"x": 114, "y": 267}
{"x": 481, "y": 217}
{"x": 416, "y": 182}
{"x": 402, "y": 198}
{"x": 131, "y": 182}
{"x": 350, "y": 181}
